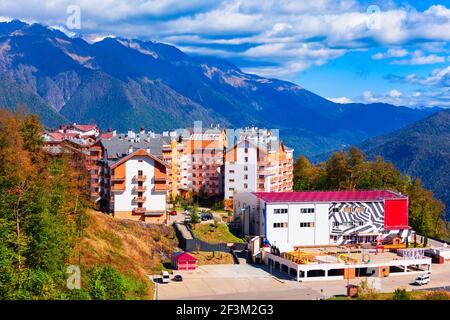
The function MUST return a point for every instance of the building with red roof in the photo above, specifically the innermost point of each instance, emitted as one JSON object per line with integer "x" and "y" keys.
{"x": 315, "y": 218}
{"x": 184, "y": 261}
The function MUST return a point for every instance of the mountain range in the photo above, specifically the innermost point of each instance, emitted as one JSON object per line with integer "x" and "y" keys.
{"x": 125, "y": 84}
{"x": 421, "y": 149}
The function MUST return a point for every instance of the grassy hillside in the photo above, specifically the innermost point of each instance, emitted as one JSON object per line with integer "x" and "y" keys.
{"x": 212, "y": 233}
{"x": 126, "y": 246}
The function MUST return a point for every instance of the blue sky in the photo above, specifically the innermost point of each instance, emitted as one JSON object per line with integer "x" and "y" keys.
{"x": 345, "y": 50}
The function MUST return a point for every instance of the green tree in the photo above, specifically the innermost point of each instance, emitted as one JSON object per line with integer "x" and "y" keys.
{"x": 106, "y": 283}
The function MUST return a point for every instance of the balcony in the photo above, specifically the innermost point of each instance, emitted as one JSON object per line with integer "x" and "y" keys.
{"x": 161, "y": 187}
{"x": 139, "y": 199}
{"x": 139, "y": 210}
{"x": 117, "y": 178}
{"x": 141, "y": 178}
{"x": 140, "y": 189}
{"x": 160, "y": 179}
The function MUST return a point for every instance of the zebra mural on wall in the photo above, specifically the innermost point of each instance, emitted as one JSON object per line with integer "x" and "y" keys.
{"x": 351, "y": 218}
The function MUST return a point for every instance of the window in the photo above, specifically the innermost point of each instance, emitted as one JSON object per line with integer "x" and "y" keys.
{"x": 231, "y": 171}
{"x": 277, "y": 211}
{"x": 140, "y": 173}
{"x": 231, "y": 180}
{"x": 306, "y": 224}
{"x": 246, "y": 150}
{"x": 347, "y": 210}
{"x": 280, "y": 225}
{"x": 245, "y": 186}
{"x": 361, "y": 223}
{"x": 335, "y": 209}
{"x": 359, "y": 209}
{"x": 141, "y": 160}
{"x": 307, "y": 210}
{"x": 245, "y": 176}
{"x": 231, "y": 189}
{"x": 245, "y": 168}
{"x": 246, "y": 159}
{"x": 336, "y": 224}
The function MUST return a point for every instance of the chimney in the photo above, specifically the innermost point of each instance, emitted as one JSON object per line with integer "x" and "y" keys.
{"x": 114, "y": 133}
{"x": 142, "y": 131}
{"x": 130, "y": 149}
{"x": 148, "y": 150}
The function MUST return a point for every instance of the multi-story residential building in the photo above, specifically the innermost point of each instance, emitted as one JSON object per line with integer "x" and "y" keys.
{"x": 258, "y": 162}
{"x": 201, "y": 161}
{"x": 293, "y": 219}
{"x": 195, "y": 161}
{"x": 80, "y": 130}
{"x": 137, "y": 186}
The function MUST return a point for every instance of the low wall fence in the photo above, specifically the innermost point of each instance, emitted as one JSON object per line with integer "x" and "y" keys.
{"x": 196, "y": 244}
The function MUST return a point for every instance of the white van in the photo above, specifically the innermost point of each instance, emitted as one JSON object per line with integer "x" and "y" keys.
{"x": 165, "y": 277}
{"x": 421, "y": 280}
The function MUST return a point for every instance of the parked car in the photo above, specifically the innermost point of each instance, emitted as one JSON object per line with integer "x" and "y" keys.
{"x": 165, "y": 277}
{"x": 173, "y": 213}
{"x": 206, "y": 216}
{"x": 178, "y": 277}
{"x": 421, "y": 280}
{"x": 187, "y": 219}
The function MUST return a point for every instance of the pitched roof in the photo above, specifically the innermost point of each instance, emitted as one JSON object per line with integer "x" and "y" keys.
{"x": 326, "y": 196}
{"x": 85, "y": 127}
{"x": 55, "y": 135}
{"x": 184, "y": 256}
{"x": 140, "y": 152}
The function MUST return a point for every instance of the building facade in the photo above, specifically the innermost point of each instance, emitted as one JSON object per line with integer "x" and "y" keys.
{"x": 258, "y": 162}
{"x": 293, "y": 219}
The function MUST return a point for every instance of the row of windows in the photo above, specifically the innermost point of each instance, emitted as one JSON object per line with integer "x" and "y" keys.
{"x": 302, "y": 225}
{"x": 349, "y": 209}
{"x": 280, "y": 225}
{"x": 307, "y": 224}
{"x": 302, "y": 210}
{"x": 348, "y": 223}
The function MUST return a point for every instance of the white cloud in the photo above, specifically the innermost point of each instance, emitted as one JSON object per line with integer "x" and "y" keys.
{"x": 391, "y": 53}
{"x": 439, "y": 97}
{"x": 283, "y": 33}
{"x": 419, "y": 58}
{"x": 438, "y": 77}
{"x": 341, "y": 100}
{"x": 395, "y": 93}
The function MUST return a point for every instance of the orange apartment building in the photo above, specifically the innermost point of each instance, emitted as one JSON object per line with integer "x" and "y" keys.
{"x": 201, "y": 161}
{"x": 194, "y": 160}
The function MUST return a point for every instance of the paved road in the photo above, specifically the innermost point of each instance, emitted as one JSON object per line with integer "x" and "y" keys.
{"x": 240, "y": 282}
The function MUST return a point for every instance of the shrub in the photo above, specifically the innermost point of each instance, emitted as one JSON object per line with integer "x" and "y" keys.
{"x": 106, "y": 283}
{"x": 401, "y": 294}
{"x": 366, "y": 291}
{"x": 437, "y": 295}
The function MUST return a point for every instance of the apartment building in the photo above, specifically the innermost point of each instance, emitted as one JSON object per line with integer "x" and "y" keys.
{"x": 257, "y": 162}
{"x": 201, "y": 160}
{"x": 293, "y": 219}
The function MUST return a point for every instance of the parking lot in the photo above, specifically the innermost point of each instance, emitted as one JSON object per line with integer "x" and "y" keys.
{"x": 240, "y": 282}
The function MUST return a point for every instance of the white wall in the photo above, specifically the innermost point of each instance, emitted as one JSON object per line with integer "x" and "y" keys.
{"x": 294, "y": 235}
{"x": 155, "y": 200}
{"x": 238, "y": 175}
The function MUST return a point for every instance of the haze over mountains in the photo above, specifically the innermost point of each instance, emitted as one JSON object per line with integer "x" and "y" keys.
{"x": 121, "y": 84}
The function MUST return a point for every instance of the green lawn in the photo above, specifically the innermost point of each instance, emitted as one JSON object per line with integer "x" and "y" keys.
{"x": 215, "y": 234}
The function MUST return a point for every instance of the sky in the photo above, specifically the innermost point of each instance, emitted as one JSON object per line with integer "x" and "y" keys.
{"x": 345, "y": 50}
